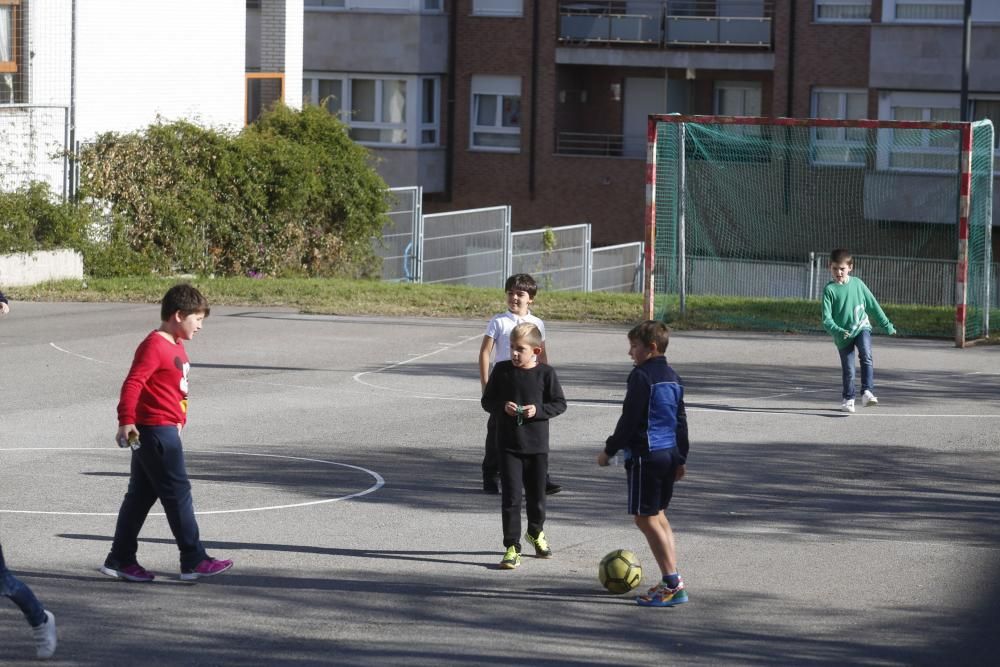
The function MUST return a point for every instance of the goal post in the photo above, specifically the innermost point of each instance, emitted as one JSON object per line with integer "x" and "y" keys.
{"x": 742, "y": 213}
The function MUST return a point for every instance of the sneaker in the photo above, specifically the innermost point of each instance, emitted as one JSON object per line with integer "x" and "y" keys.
{"x": 541, "y": 545}
{"x": 511, "y": 559}
{"x": 133, "y": 572}
{"x": 868, "y": 398}
{"x": 661, "y": 595}
{"x": 551, "y": 488}
{"x": 847, "y": 406}
{"x": 206, "y": 568}
{"x": 45, "y": 636}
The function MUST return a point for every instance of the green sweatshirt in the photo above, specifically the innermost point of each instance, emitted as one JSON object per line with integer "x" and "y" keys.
{"x": 845, "y": 311}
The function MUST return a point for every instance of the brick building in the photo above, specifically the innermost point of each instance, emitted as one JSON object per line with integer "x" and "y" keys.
{"x": 542, "y": 104}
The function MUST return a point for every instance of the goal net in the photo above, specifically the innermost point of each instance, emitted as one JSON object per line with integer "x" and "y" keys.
{"x": 742, "y": 214}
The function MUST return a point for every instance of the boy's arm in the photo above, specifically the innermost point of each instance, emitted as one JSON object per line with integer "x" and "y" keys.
{"x": 633, "y": 407}
{"x": 491, "y": 400}
{"x": 872, "y": 306}
{"x": 484, "y": 360}
{"x": 826, "y": 314}
{"x": 553, "y": 399}
{"x": 683, "y": 444}
{"x": 143, "y": 366}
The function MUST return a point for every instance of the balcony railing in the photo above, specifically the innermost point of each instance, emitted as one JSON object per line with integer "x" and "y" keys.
{"x": 666, "y": 23}
{"x": 600, "y": 145}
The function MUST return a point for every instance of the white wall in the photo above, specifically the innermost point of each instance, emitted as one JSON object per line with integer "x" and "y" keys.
{"x": 294, "y": 35}
{"x": 178, "y": 59}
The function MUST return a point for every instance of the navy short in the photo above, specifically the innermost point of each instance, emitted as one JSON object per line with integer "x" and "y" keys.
{"x": 651, "y": 481}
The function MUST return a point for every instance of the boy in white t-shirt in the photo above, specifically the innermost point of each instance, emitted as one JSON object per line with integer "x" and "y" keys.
{"x": 520, "y": 289}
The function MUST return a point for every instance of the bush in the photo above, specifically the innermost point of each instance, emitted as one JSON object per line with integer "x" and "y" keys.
{"x": 32, "y": 219}
{"x": 290, "y": 195}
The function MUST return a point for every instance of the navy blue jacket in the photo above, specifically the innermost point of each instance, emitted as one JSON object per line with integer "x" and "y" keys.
{"x": 653, "y": 415}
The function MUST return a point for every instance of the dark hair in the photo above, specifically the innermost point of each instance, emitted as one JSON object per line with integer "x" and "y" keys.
{"x": 651, "y": 332}
{"x": 841, "y": 255}
{"x": 527, "y": 332}
{"x": 184, "y": 298}
{"x": 521, "y": 282}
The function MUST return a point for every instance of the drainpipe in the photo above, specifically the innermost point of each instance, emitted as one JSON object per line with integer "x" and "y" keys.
{"x": 449, "y": 153}
{"x": 532, "y": 138}
{"x": 790, "y": 90}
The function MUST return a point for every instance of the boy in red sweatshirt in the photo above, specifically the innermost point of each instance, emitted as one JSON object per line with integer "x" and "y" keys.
{"x": 151, "y": 412}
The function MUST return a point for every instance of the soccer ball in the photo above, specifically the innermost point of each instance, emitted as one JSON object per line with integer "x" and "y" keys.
{"x": 619, "y": 571}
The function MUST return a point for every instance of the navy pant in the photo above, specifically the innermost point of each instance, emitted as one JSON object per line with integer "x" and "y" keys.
{"x": 158, "y": 473}
{"x": 522, "y": 471}
{"x": 11, "y": 587}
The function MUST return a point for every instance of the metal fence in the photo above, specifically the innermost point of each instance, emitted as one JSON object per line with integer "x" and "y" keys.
{"x": 33, "y": 141}
{"x": 401, "y": 235}
{"x": 558, "y": 258}
{"x": 466, "y": 247}
{"x": 617, "y": 268}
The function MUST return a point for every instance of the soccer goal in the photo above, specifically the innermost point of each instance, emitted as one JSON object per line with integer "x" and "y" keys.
{"x": 742, "y": 213}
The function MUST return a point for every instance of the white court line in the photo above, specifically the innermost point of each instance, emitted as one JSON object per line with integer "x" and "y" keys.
{"x": 379, "y": 482}
{"x": 444, "y": 347}
{"x": 74, "y": 354}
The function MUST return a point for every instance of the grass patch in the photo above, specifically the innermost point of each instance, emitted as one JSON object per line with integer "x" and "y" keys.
{"x": 374, "y": 297}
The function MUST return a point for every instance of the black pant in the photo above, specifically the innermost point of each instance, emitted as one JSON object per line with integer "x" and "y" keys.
{"x": 158, "y": 473}
{"x": 522, "y": 471}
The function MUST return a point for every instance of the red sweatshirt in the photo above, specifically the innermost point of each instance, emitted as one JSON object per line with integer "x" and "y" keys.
{"x": 156, "y": 388}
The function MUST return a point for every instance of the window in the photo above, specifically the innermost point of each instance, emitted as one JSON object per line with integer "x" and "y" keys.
{"x": 380, "y": 111}
{"x": 843, "y": 10}
{"x": 938, "y": 11}
{"x": 496, "y": 113}
{"x": 497, "y": 7}
{"x": 739, "y": 98}
{"x": 11, "y": 58}
{"x": 919, "y": 150}
{"x": 986, "y": 108}
{"x": 839, "y": 145}
{"x": 375, "y": 5}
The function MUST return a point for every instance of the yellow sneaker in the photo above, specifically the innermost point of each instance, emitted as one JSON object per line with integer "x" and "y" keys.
{"x": 511, "y": 559}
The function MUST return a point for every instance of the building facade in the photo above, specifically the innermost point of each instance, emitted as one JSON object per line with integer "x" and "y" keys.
{"x": 543, "y": 105}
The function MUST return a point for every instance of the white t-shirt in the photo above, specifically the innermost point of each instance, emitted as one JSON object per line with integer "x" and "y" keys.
{"x": 499, "y": 330}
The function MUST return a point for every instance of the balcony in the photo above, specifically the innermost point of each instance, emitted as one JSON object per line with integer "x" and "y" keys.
{"x": 668, "y": 23}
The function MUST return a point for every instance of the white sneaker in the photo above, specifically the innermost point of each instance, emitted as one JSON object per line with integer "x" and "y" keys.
{"x": 45, "y": 636}
{"x": 868, "y": 398}
{"x": 848, "y": 405}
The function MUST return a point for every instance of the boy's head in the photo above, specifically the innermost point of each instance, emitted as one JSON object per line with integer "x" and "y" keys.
{"x": 841, "y": 265}
{"x": 521, "y": 290}
{"x": 183, "y": 298}
{"x": 525, "y": 345}
{"x": 648, "y": 339}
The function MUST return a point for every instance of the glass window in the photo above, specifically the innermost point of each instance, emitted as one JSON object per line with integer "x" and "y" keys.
{"x": 498, "y": 7}
{"x": 843, "y": 10}
{"x": 11, "y": 53}
{"x": 839, "y": 145}
{"x": 375, "y": 5}
{"x": 924, "y": 149}
{"x": 939, "y": 11}
{"x": 380, "y": 110}
{"x": 739, "y": 98}
{"x": 496, "y": 113}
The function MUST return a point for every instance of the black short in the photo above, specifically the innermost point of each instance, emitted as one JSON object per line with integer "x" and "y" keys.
{"x": 651, "y": 481}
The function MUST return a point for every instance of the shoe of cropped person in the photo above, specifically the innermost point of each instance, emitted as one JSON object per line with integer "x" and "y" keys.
{"x": 45, "y": 637}
{"x": 206, "y": 568}
{"x": 868, "y": 399}
{"x": 551, "y": 488}
{"x": 134, "y": 572}
{"x": 511, "y": 559}
{"x": 662, "y": 595}
{"x": 541, "y": 544}
{"x": 847, "y": 405}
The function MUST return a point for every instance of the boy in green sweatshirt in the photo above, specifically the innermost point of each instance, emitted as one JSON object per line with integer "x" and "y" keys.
{"x": 847, "y": 303}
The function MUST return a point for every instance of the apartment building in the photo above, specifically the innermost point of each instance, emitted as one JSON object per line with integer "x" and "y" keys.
{"x": 543, "y": 105}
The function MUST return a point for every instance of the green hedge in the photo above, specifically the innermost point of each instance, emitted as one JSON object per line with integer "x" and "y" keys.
{"x": 290, "y": 195}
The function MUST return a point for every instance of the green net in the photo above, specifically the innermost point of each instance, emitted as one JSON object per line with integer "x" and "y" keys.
{"x": 746, "y": 217}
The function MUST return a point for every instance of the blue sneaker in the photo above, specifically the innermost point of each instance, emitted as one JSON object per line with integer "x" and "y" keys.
{"x": 661, "y": 595}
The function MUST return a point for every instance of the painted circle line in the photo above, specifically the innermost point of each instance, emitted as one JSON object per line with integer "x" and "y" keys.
{"x": 379, "y": 482}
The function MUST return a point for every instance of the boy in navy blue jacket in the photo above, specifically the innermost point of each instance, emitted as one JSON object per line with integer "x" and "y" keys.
{"x": 653, "y": 434}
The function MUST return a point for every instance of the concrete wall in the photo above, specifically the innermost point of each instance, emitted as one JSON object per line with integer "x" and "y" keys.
{"x": 30, "y": 268}
{"x": 929, "y": 57}
{"x": 139, "y": 60}
{"x": 376, "y": 42}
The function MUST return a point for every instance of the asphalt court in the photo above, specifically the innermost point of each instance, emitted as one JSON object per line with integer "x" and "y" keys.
{"x": 336, "y": 459}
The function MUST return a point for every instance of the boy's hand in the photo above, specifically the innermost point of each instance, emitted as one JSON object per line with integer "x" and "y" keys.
{"x": 4, "y": 308}
{"x": 510, "y": 407}
{"x": 528, "y": 411}
{"x": 127, "y": 433}
{"x": 603, "y": 459}
{"x": 680, "y": 472}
